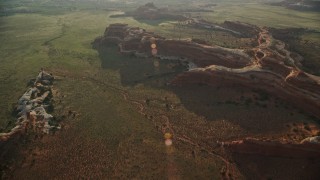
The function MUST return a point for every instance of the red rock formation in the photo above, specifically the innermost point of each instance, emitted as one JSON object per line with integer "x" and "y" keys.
{"x": 262, "y": 68}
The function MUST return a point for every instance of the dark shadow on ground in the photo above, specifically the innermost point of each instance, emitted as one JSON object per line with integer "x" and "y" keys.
{"x": 148, "y": 71}
{"x": 153, "y": 22}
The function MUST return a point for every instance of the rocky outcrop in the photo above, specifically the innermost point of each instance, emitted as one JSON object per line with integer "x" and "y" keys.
{"x": 313, "y": 140}
{"x": 273, "y": 148}
{"x": 32, "y": 108}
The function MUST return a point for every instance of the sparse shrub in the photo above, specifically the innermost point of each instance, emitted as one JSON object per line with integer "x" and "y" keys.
{"x": 264, "y": 105}
{"x": 264, "y": 96}
{"x": 167, "y": 107}
{"x": 248, "y": 101}
{"x": 252, "y": 76}
{"x": 307, "y": 128}
{"x": 228, "y": 102}
{"x": 148, "y": 102}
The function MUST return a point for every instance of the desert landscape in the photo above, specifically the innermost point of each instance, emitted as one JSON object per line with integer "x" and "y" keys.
{"x": 160, "y": 90}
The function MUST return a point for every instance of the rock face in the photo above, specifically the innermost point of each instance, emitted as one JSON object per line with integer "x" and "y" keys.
{"x": 268, "y": 67}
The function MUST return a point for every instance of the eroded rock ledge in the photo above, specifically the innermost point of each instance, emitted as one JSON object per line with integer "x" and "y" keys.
{"x": 32, "y": 108}
{"x": 268, "y": 66}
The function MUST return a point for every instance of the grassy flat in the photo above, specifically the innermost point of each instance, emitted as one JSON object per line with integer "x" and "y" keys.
{"x": 109, "y": 136}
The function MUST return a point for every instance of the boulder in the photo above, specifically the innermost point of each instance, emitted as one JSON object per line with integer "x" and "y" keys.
{"x": 313, "y": 140}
